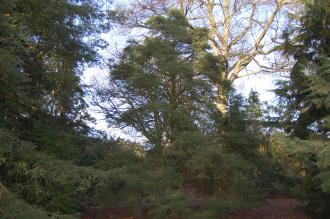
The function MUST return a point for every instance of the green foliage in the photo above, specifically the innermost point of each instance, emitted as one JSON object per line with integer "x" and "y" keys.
{"x": 64, "y": 140}
{"x": 57, "y": 185}
{"x": 305, "y": 100}
{"x": 118, "y": 159}
{"x": 44, "y": 48}
{"x": 60, "y": 194}
{"x": 189, "y": 172}
{"x": 323, "y": 164}
{"x": 206, "y": 165}
{"x": 305, "y": 167}
{"x": 52, "y": 166}
{"x": 305, "y": 96}
{"x": 138, "y": 188}
{"x": 13, "y": 207}
{"x": 214, "y": 171}
{"x": 157, "y": 89}
{"x": 244, "y": 132}
{"x": 293, "y": 157}
{"x": 12, "y": 148}
{"x": 173, "y": 206}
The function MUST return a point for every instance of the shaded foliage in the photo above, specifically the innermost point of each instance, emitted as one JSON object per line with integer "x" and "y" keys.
{"x": 305, "y": 96}
{"x": 303, "y": 168}
{"x": 44, "y": 48}
{"x": 156, "y": 87}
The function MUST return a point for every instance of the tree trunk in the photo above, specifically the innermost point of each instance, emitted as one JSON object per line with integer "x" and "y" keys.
{"x": 223, "y": 86}
{"x": 222, "y": 101}
{"x": 182, "y": 6}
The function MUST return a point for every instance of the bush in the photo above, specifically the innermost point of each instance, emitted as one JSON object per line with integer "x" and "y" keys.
{"x": 174, "y": 205}
{"x": 118, "y": 159}
{"x": 207, "y": 166}
{"x": 138, "y": 187}
{"x": 307, "y": 164}
{"x": 13, "y": 207}
{"x": 59, "y": 138}
{"x": 57, "y": 185}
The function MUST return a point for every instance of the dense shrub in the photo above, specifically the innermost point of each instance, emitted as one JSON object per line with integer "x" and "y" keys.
{"x": 60, "y": 138}
{"x": 57, "y": 185}
{"x": 139, "y": 187}
{"x": 13, "y": 207}
{"x": 173, "y": 205}
{"x": 118, "y": 159}
{"x": 305, "y": 168}
{"x": 186, "y": 175}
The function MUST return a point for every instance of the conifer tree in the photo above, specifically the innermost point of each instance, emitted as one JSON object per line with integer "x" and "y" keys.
{"x": 159, "y": 85}
{"x": 244, "y": 132}
{"x": 305, "y": 96}
{"x": 44, "y": 46}
{"x": 254, "y": 114}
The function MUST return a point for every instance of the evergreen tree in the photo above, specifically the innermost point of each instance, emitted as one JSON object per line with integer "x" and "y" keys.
{"x": 254, "y": 114}
{"x": 158, "y": 87}
{"x": 305, "y": 100}
{"x": 244, "y": 131}
{"x": 44, "y": 46}
{"x": 305, "y": 96}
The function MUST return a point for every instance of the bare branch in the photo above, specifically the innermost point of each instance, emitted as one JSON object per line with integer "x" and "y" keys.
{"x": 246, "y": 29}
{"x": 269, "y": 23}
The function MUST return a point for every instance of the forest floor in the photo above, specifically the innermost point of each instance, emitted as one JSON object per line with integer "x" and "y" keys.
{"x": 276, "y": 207}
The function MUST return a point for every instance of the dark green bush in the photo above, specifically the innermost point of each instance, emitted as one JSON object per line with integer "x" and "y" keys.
{"x": 57, "y": 185}
{"x": 174, "y": 205}
{"x": 118, "y": 159}
{"x": 138, "y": 187}
{"x": 308, "y": 164}
{"x": 12, "y": 206}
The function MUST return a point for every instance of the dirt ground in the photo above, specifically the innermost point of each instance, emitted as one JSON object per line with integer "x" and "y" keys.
{"x": 276, "y": 207}
{"x": 102, "y": 213}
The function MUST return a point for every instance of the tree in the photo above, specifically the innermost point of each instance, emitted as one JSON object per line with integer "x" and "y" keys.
{"x": 159, "y": 86}
{"x": 44, "y": 46}
{"x": 305, "y": 96}
{"x": 254, "y": 114}
{"x": 242, "y": 34}
{"x": 244, "y": 130}
{"x": 12, "y": 94}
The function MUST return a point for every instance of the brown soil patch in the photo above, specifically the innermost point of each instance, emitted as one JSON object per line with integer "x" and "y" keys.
{"x": 278, "y": 207}
{"x": 97, "y": 212}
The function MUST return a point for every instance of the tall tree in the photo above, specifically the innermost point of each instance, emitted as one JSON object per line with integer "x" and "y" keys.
{"x": 158, "y": 86}
{"x": 44, "y": 47}
{"x": 305, "y": 96}
{"x": 242, "y": 34}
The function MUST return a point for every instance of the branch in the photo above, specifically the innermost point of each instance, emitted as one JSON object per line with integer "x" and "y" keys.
{"x": 227, "y": 22}
{"x": 282, "y": 68}
{"x": 274, "y": 49}
{"x": 246, "y": 29}
{"x": 269, "y": 23}
{"x": 213, "y": 28}
{"x": 246, "y": 59}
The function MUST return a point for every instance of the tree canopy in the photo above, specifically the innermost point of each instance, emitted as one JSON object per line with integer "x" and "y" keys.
{"x": 159, "y": 86}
